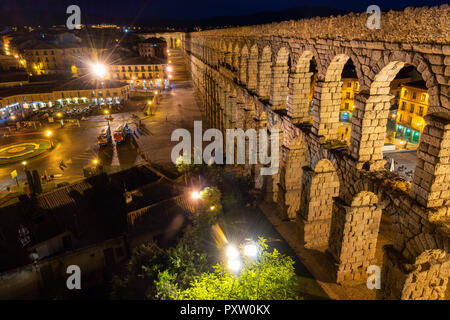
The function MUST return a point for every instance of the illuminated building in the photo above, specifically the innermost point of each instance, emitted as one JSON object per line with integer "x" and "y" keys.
{"x": 153, "y": 47}
{"x": 350, "y": 87}
{"x": 31, "y": 97}
{"x": 413, "y": 106}
{"x": 141, "y": 73}
{"x": 44, "y": 58}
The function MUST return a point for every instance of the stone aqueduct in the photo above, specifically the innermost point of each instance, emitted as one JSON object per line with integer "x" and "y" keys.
{"x": 260, "y": 77}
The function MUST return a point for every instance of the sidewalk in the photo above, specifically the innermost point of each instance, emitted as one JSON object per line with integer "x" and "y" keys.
{"x": 317, "y": 263}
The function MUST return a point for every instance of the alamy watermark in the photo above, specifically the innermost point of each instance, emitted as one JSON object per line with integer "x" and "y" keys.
{"x": 374, "y": 278}
{"x": 74, "y": 20}
{"x": 259, "y": 148}
{"x": 74, "y": 280}
{"x": 374, "y": 20}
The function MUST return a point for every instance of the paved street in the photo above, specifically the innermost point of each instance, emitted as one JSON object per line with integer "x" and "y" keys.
{"x": 77, "y": 147}
{"x": 404, "y": 162}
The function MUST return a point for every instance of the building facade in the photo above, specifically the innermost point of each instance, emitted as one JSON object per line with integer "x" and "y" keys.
{"x": 413, "y": 106}
{"x": 142, "y": 73}
{"x": 350, "y": 87}
{"x": 153, "y": 47}
{"x": 44, "y": 58}
{"x": 18, "y": 102}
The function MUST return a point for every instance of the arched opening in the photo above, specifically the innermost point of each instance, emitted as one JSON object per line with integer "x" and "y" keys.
{"x": 222, "y": 52}
{"x": 252, "y": 68}
{"x": 229, "y": 55}
{"x": 319, "y": 187}
{"x": 260, "y": 124}
{"x": 280, "y": 77}
{"x": 391, "y": 119}
{"x": 264, "y": 74}
{"x": 301, "y": 89}
{"x": 406, "y": 122}
{"x": 243, "y": 65}
{"x": 235, "y": 57}
{"x": 349, "y": 90}
{"x": 328, "y": 100}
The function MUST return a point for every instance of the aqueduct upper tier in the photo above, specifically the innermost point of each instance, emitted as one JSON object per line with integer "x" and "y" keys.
{"x": 288, "y": 76}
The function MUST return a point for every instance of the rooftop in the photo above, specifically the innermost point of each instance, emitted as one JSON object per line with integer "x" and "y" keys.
{"x": 139, "y": 61}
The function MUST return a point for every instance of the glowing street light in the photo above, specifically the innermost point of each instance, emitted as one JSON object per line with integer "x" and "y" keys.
{"x": 212, "y": 208}
{"x": 59, "y": 114}
{"x": 24, "y": 163}
{"x": 99, "y": 69}
{"x": 232, "y": 252}
{"x": 156, "y": 92}
{"x": 48, "y": 133}
{"x": 251, "y": 250}
{"x": 234, "y": 265}
{"x": 169, "y": 69}
{"x": 195, "y": 195}
{"x": 149, "y": 102}
{"x": 170, "y": 76}
{"x": 95, "y": 161}
{"x": 106, "y": 111}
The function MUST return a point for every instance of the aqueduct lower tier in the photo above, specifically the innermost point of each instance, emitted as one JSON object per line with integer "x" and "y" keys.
{"x": 260, "y": 77}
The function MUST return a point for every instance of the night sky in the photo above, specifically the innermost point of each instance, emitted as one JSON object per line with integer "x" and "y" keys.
{"x": 188, "y": 9}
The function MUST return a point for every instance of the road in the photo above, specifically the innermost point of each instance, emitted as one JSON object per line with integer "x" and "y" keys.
{"x": 77, "y": 147}
{"x": 405, "y": 162}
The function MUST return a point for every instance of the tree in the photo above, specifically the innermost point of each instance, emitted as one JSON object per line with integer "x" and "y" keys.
{"x": 143, "y": 270}
{"x": 270, "y": 277}
{"x": 183, "y": 266}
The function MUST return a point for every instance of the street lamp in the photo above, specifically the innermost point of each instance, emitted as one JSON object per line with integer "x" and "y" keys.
{"x": 98, "y": 69}
{"x": 24, "y": 163}
{"x": 48, "y": 133}
{"x": 95, "y": 161}
{"x": 234, "y": 265}
{"x": 251, "y": 250}
{"x": 232, "y": 252}
{"x": 195, "y": 195}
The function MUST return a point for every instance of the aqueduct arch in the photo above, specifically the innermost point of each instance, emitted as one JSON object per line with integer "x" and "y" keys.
{"x": 419, "y": 210}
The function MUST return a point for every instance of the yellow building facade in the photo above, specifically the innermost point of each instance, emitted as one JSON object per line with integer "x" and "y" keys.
{"x": 141, "y": 73}
{"x": 19, "y": 101}
{"x": 412, "y": 107}
{"x": 46, "y": 59}
{"x": 350, "y": 87}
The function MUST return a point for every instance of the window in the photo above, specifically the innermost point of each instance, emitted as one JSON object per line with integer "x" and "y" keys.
{"x": 411, "y": 109}
{"x": 346, "y": 106}
{"x": 403, "y": 105}
{"x": 422, "y": 97}
{"x": 348, "y": 95}
{"x": 405, "y": 94}
{"x": 414, "y": 95}
{"x": 420, "y": 111}
{"x": 349, "y": 84}
{"x": 409, "y": 120}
